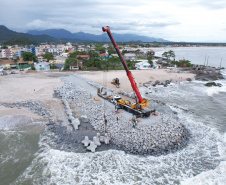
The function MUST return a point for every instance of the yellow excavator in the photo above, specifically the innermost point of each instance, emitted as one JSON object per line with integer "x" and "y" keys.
{"x": 115, "y": 81}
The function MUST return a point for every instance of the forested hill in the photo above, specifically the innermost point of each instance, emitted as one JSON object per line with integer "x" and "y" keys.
{"x": 7, "y": 35}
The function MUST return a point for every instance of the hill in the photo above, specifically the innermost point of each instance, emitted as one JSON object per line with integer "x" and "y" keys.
{"x": 6, "y": 35}
{"x": 21, "y": 41}
{"x": 81, "y": 36}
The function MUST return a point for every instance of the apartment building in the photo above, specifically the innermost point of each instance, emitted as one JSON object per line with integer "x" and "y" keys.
{"x": 6, "y": 53}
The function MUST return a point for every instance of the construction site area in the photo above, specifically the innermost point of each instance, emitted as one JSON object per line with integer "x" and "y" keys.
{"x": 95, "y": 111}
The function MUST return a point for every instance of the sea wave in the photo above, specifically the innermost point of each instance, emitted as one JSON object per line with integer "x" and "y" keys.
{"x": 204, "y": 153}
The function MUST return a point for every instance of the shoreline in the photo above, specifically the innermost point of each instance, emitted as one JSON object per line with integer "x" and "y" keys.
{"x": 54, "y": 113}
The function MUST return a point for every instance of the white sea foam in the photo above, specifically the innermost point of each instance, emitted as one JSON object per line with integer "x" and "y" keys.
{"x": 216, "y": 176}
{"x": 203, "y": 155}
{"x": 202, "y": 161}
{"x": 11, "y": 122}
{"x": 215, "y": 89}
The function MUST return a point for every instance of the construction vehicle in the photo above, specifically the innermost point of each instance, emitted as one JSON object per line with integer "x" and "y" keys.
{"x": 115, "y": 81}
{"x": 102, "y": 92}
{"x": 140, "y": 108}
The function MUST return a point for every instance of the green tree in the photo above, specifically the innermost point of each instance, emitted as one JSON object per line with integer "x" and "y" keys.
{"x": 4, "y": 47}
{"x": 124, "y": 51}
{"x": 185, "y": 63}
{"x": 166, "y": 54}
{"x": 182, "y": 63}
{"x": 53, "y": 66}
{"x": 48, "y": 56}
{"x": 171, "y": 54}
{"x": 70, "y": 61}
{"x": 99, "y": 48}
{"x": 28, "y": 56}
{"x": 74, "y": 54}
{"x": 92, "y": 54}
{"x": 111, "y": 50}
{"x": 114, "y": 62}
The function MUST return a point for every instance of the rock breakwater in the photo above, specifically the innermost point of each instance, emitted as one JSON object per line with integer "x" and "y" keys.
{"x": 160, "y": 137}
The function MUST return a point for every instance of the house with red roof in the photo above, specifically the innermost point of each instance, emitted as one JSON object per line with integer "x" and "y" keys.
{"x": 84, "y": 57}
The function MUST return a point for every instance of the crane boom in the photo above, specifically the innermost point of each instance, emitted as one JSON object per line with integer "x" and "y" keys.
{"x": 128, "y": 72}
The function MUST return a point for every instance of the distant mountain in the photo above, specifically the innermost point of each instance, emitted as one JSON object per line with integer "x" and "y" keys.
{"x": 6, "y": 35}
{"x": 81, "y": 36}
{"x": 56, "y": 33}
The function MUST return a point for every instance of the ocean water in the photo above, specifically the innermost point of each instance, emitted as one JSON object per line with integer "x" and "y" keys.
{"x": 211, "y": 56}
{"x": 26, "y": 155}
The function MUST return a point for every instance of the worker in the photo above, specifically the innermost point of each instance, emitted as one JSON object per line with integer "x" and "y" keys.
{"x": 116, "y": 109}
{"x": 134, "y": 118}
{"x": 117, "y": 118}
{"x": 134, "y": 124}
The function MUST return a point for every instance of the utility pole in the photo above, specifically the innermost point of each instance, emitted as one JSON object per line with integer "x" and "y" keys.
{"x": 220, "y": 63}
{"x": 207, "y": 61}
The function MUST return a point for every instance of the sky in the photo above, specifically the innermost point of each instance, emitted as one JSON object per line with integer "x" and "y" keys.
{"x": 173, "y": 20}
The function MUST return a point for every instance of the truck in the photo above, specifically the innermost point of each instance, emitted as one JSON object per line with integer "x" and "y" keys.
{"x": 141, "y": 107}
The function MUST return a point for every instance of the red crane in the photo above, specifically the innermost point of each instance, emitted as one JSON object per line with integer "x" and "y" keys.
{"x": 128, "y": 72}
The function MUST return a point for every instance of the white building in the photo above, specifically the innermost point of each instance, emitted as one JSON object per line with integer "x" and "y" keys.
{"x": 42, "y": 66}
{"x": 130, "y": 56}
{"x": 143, "y": 65}
{"x": 65, "y": 55}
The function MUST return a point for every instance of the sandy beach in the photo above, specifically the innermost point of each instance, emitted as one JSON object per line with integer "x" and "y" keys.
{"x": 24, "y": 87}
{"x": 141, "y": 76}
{"x": 40, "y": 86}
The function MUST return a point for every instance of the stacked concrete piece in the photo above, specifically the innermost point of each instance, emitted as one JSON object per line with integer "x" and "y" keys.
{"x": 157, "y": 138}
{"x": 74, "y": 122}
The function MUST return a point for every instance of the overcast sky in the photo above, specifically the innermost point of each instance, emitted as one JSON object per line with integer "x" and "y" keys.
{"x": 174, "y": 20}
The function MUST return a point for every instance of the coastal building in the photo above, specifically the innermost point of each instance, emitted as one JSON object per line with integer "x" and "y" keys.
{"x": 19, "y": 53}
{"x": 42, "y": 66}
{"x": 6, "y": 53}
{"x": 130, "y": 56}
{"x": 7, "y": 64}
{"x": 24, "y": 64}
{"x": 65, "y": 55}
{"x": 84, "y": 57}
{"x": 103, "y": 55}
{"x": 143, "y": 65}
{"x": 76, "y": 65}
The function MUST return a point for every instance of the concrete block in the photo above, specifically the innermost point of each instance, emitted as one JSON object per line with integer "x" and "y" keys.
{"x": 86, "y": 141}
{"x": 84, "y": 119}
{"x": 96, "y": 141}
{"x": 92, "y": 147}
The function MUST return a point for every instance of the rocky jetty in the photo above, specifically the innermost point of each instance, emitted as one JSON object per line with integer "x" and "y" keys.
{"x": 207, "y": 75}
{"x": 34, "y": 106}
{"x": 210, "y": 84}
{"x": 163, "y": 136}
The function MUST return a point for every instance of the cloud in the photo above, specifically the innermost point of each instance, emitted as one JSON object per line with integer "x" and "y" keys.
{"x": 172, "y": 20}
